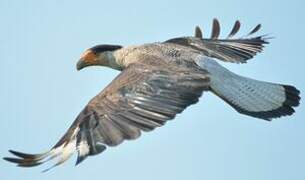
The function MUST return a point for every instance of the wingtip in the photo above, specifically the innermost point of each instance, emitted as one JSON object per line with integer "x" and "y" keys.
{"x": 79, "y": 160}
{"x": 215, "y": 20}
{"x": 215, "y": 29}
{"x": 48, "y": 169}
{"x": 235, "y": 29}
{"x": 19, "y": 154}
{"x": 198, "y": 32}
{"x": 26, "y": 155}
{"x": 9, "y": 159}
{"x": 255, "y": 29}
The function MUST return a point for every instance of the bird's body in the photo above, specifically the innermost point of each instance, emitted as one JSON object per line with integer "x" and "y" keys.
{"x": 157, "y": 82}
{"x": 167, "y": 53}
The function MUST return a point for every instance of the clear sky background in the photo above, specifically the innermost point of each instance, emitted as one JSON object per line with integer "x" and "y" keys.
{"x": 41, "y": 91}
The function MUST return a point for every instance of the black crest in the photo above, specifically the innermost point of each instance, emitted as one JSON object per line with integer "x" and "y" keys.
{"x": 105, "y": 47}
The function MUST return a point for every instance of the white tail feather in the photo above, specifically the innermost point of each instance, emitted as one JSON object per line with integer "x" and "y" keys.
{"x": 248, "y": 96}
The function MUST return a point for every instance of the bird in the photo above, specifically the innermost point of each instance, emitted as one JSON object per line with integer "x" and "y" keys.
{"x": 160, "y": 80}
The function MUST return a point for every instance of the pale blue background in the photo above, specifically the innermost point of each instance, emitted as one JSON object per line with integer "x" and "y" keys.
{"x": 41, "y": 91}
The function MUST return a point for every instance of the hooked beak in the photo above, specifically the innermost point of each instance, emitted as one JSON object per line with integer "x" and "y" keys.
{"x": 88, "y": 58}
{"x": 80, "y": 64}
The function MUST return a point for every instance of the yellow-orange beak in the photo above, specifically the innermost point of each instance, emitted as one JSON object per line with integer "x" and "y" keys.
{"x": 87, "y": 58}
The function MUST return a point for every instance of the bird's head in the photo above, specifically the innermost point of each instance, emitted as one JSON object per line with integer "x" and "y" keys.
{"x": 100, "y": 55}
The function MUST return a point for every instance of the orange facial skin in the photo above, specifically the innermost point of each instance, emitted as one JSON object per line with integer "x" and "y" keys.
{"x": 89, "y": 57}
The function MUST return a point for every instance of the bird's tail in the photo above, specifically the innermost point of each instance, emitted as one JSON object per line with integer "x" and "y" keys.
{"x": 248, "y": 96}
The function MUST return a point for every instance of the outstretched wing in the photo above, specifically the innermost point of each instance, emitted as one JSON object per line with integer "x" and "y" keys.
{"x": 231, "y": 50}
{"x": 141, "y": 98}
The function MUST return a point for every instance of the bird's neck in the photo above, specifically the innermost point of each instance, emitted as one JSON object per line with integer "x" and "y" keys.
{"x": 125, "y": 56}
{"x": 113, "y": 62}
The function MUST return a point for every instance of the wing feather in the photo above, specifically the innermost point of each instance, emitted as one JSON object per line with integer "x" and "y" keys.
{"x": 255, "y": 29}
{"x": 235, "y": 29}
{"x": 141, "y": 98}
{"x": 215, "y": 29}
{"x": 237, "y": 50}
{"x": 198, "y": 32}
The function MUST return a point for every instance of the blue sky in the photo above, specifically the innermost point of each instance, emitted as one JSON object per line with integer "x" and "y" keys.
{"x": 41, "y": 91}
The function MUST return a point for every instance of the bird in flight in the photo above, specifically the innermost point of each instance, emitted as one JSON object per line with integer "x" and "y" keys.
{"x": 159, "y": 80}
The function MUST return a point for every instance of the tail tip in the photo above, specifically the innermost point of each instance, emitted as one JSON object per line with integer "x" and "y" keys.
{"x": 292, "y": 96}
